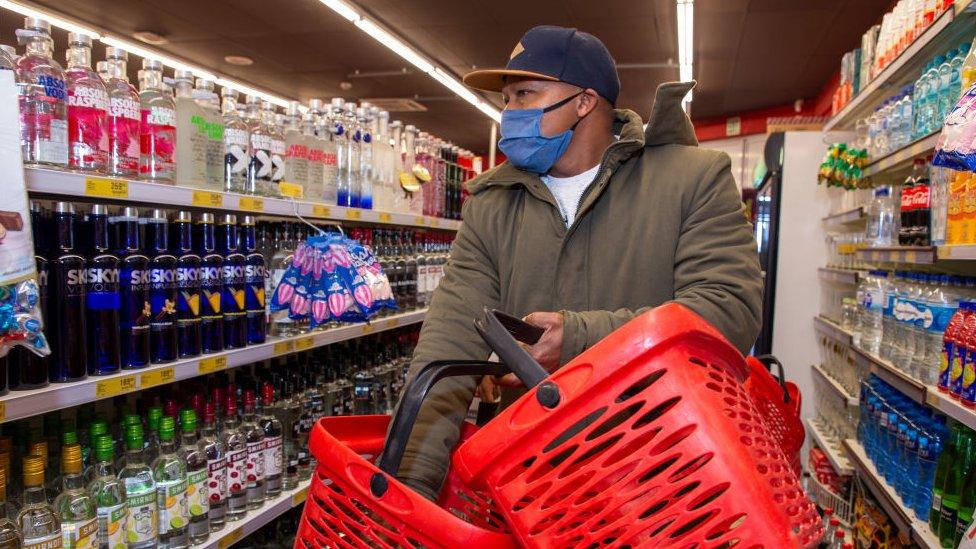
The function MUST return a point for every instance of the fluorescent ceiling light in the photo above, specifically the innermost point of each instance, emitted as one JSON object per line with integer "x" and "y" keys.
{"x": 394, "y": 44}
{"x": 47, "y": 16}
{"x": 247, "y": 90}
{"x": 686, "y": 44}
{"x": 343, "y": 9}
{"x": 492, "y": 112}
{"x": 132, "y": 47}
{"x": 455, "y": 86}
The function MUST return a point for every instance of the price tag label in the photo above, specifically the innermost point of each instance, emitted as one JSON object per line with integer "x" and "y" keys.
{"x": 353, "y": 213}
{"x": 3, "y": 411}
{"x": 284, "y": 347}
{"x": 157, "y": 377}
{"x": 318, "y": 210}
{"x": 230, "y": 538}
{"x": 251, "y": 204}
{"x": 385, "y": 217}
{"x": 932, "y": 399}
{"x": 420, "y": 220}
{"x": 291, "y": 190}
{"x": 368, "y": 328}
{"x": 208, "y": 199}
{"x": 392, "y": 323}
{"x": 213, "y": 364}
{"x": 106, "y": 188}
{"x": 299, "y": 497}
{"x": 117, "y": 386}
{"x": 304, "y": 343}
{"x": 434, "y": 222}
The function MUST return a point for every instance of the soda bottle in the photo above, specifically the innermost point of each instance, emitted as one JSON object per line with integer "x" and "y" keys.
{"x": 87, "y": 106}
{"x": 906, "y": 214}
{"x": 102, "y": 301}
{"x": 123, "y": 117}
{"x": 952, "y": 487}
{"x": 42, "y": 97}
{"x": 134, "y": 290}
{"x": 930, "y": 443}
{"x": 67, "y": 326}
{"x": 162, "y": 290}
{"x": 187, "y": 286}
{"x": 921, "y": 231}
{"x": 952, "y": 345}
{"x": 967, "y": 503}
{"x": 157, "y": 128}
{"x": 966, "y": 357}
{"x": 941, "y": 304}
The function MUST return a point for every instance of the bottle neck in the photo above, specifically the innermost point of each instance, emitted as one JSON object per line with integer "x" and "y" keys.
{"x": 248, "y": 238}
{"x": 66, "y": 231}
{"x": 228, "y": 106}
{"x": 73, "y": 481}
{"x": 209, "y": 430}
{"x": 156, "y": 235}
{"x": 250, "y": 414}
{"x": 100, "y": 238}
{"x": 208, "y": 242}
{"x": 40, "y": 45}
{"x": 151, "y": 80}
{"x": 184, "y": 89}
{"x": 184, "y": 236}
{"x": 190, "y": 439}
{"x": 104, "y": 469}
{"x": 117, "y": 69}
{"x": 34, "y": 495}
{"x": 167, "y": 446}
{"x": 135, "y": 456}
{"x": 79, "y": 57}
{"x": 227, "y": 238}
{"x": 129, "y": 234}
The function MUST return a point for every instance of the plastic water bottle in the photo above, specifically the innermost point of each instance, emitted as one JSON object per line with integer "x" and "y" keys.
{"x": 921, "y": 303}
{"x": 904, "y": 313}
{"x": 932, "y": 121}
{"x": 930, "y": 442}
{"x": 905, "y": 127}
{"x": 943, "y": 302}
{"x": 872, "y": 311}
{"x": 888, "y": 322}
{"x": 920, "y": 97}
{"x": 945, "y": 86}
{"x": 955, "y": 77}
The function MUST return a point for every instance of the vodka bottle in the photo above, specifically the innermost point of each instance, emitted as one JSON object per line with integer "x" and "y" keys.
{"x": 281, "y": 324}
{"x": 237, "y": 146}
{"x": 415, "y": 200}
{"x": 74, "y": 506}
{"x": 256, "y": 488}
{"x": 383, "y": 179}
{"x": 140, "y": 492}
{"x": 296, "y": 150}
{"x": 87, "y": 106}
{"x": 123, "y": 117}
{"x": 101, "y": 67}
{"x": 273, "y": 442}
{"x": 158, "y": 126}
{"x": 398, "y": 196}
{"x": 108, "y": 493}
{"x": 213, "y": 128}
{"x": 423, "y": 295}
{"x": 326, "y": 129}
{"x": 9, "y": 532}
{"x": 423, "y": 159}
{"x": 261, "y": 167}
{"x": 315, "y": 187}
{"x": 169, "y": 471}
{"x": 193, "y": 452}
{"x": 42, "y": 98}
{"x": 354, "y": 151}
{"x": 365, "y": 120}
{"x": 191, "y": 134}
{"x": 277, "y": 147}
{"x": 39, "y": 524}
{"x": 234, "y": 441}
{"x": 216, "y": 468}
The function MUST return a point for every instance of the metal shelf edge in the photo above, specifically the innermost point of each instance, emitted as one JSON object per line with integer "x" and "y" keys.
{"x": 833, "y": 448}
{"x": 908, "y": 152}
{"x": 843, "y": 276}
{"x": 832, "y": 330}
{"x": 255, "y": 519}
{"x": 850, "y": 216}
{"x": 950, "y": 407}
{"x": 833, "y": 384}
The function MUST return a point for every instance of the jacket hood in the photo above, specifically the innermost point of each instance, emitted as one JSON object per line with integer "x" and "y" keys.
{"x": 668, "y": 125}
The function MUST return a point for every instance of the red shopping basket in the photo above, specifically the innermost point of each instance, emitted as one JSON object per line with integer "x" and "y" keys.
{"x": 779, "y": 402}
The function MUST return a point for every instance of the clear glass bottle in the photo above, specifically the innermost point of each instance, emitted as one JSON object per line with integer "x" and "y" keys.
{"x": 342, "y": 151}
{"x": 216, "y": 487}
{"x": 237, "y": 146}
{"x": 256, "y": 487}
{"x": 169, "y": 471}
{"x": 123, "y": 116}
{"x": 212, "y": 127}
{"x": 74, "y": 506}
{"x": 325, "y": 129}
{"x": 296, "y": 150}
{"x": 191, "y": 134}
{"x": 354, "y": 151}
{"x": 274, "y": 458}
{"x": 39, "y": 524}
{"x": 364, "y": 117}
{"x": 108, "y": 494}
{"x": 314, "y": 188}
{"x": 194, "y": 453}
{"x": 382, "y": 152}
{"x": 261, "y": 168}
{"x": 87, "y": 108}
{"x": 398, "y": 195}
{"x": 158, "y": 126}
{"x": 281, "y": 324}
{"x": 154, "y": 417}
{"x": 235, "y": 443}
{"x": 42, "y": 96}
{"x": 278, "y": 150}
{"x": 142, "y": 523}
{"x": 9, "y": 532}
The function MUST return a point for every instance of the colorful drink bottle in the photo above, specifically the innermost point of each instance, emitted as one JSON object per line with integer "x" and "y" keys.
{"x": 211, "y": 286}
{"x": 255, "y": 274}
{"x": 102, "y": 300}
{"x": 162, "y": 290}
{"x": 134, "y": 290}
{"x": 233, "y": 302}
{"x": 67, "y": 321}
{"x": 187, "y": 287}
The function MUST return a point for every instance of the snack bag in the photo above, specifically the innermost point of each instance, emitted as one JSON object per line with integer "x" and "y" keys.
{"x": 956, "y": 146}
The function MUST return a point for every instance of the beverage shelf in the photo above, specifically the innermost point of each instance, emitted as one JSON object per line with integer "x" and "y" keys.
{"x": 901, "y": 515}
{"x": 945, "y": 32}
{"x": 902, "y": 158}
{"x": 850, "y": 399}
{"x": 918, "y": 255}
{"x": 257, "y": 518}
{"x": 834, "y": 449}
{"x": 56, "y": 396}
{"x": 911, "y": 387}
{"x": 843, "y": 276}
{"x": 958, "y": 252}
{"x": 57, "y": 183}
{"x": 843, "y": 218}
{"x": 832, "y": 330}
{"x": 950, "y": 407}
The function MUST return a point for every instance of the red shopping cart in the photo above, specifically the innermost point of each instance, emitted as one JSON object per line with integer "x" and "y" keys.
{"x": 649, "y": 439}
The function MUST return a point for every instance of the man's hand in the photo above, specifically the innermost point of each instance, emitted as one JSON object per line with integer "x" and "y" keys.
{"x": 546, "y": 351}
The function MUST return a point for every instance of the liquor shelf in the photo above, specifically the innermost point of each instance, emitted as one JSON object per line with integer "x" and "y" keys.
{"x": 902, "y": 158}
{"x": 919, "y": 255}
{"x": 843, "y": 218}
{"x": 832, "y": 447}
{"x": 832, "y": 330}
{"x": 57, "y": 183}
{"x": 901, "y": 515}
{"x": 850, "y": 399}
{"x": 257, "y": 518}
{"x": 56, "y": 396}
{"x": 945, "y": 32}
{"x": 843, "y": 276}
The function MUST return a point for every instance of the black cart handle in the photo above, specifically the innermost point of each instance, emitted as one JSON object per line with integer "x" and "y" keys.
{"x": 768, "y": 361}
{"x": 495, "y": 334}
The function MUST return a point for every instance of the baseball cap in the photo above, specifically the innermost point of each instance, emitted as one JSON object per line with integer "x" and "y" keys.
{"x": 558, "y": 54}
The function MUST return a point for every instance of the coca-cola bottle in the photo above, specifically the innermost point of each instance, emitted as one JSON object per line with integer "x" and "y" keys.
{"x": 157, "y": 130}
{"x": 42, "y": 96}
{"x": 906, "y": 214}
{"x": 87, "y": 105}
{"x": 123, "y": 117}
{"x": 922, "y": 211}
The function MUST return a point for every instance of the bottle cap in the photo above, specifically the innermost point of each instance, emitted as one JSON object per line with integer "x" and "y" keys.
{"x": 183, "y": 216}
{"x": 252, "y": 99}
{"x": 228, "y": 91}
{"x": 99, "y": 209}
{"x": 158, "y": 215}
{"x": 230, "y": 405}
{"x": 69, "y": 437}
{"x": 152, "y": 65}
{"x": 71, "y": 458}
{"x": 34, "y": 470}
{"x": 134, "y": 437}
{"x": 188, "y": 420}
{"x": 205, "y": 84}
{"x": 228, "y": 219}
{"x": 315, "y": 104}
{"x": 153, "y": 417}
{"x": 249, "y": 398}
{"x": 116, "y": 53}
{"x": 183, "y": 75}
{"x": 64, "y": 207}
{"x": 267, "y": 106}
{"x": 130, "y": 211}
{"x": 167, "y": 428}
{"x": 131, "y": 419}
{"x": 104, "y": 448}
{"x": 170, "y": 409}
{"x": 293, "y": 108}
{"x": 337, "y": 103}
{"x": 79, "y": 39}
{"x": 209, "y": 413}
{"x": 205, "y": 217}
{"x": 267, "y": 394}
{"x": 39, "y": 448}
{"x": 248, "y": 221}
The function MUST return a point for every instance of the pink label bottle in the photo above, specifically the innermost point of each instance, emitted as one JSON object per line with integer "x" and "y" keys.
{"x": 43, "y": 97}
{"x": 123, "y": 117}
{"x": 87, "y": 108}
{"x": 158, "y": 126}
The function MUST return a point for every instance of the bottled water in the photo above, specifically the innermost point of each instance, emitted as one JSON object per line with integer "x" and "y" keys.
{"x": 871, "y": 298}
{"x": 921, "y": 302}
{"x": 880, "y": 229}
{"x": 889, "y": 322}
{"x": 904, "y": 313}
{"x": 945, "y": 84}
{"x": 942, "y": 304}
{"x": 921, "y": 95}
{"x": 932, "y": 97}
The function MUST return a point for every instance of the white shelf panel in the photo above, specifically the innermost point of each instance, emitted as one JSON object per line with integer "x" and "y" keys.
{"x": 832, "y": 447}
{"x": 56, "y": 396}
{"x": 850, "y": 399}
{"x": 844, "y": 218}
{"x": 842, "y": 276}
{"x": 832, "y": 330}
{"x": 903, "y": 157}
{"x": 257, "y": 518}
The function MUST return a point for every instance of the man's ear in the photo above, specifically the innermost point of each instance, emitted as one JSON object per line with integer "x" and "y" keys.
{"x": 588, "y": 101}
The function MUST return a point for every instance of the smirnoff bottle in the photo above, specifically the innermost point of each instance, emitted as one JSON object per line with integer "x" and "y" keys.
{"x": 39, "y": 524}
{"x": 316, "y": 151}
{"x": 342, "y": 152}
{"x": 256, "y": 488}
{"x": 364, "y": 117}
{"x": 170, "y": 472}
{"x": 74, "y": 506}
{"x": 296, "y": 150}
{"x": 66, "y": 328}
{"x": 261, "y": 167}
{"x": 277, "y": 147}
{"x": 42, "y": 97}
{"x": 87, "y": 106}
{"x": 157, "y": 129}
{"x": 237, "y": 148}
{"x": 123, "y": 117}
{"x": 212, "y": 126}
{"x": 193, "y": 452}
{"x": 273, "y": 443}
{"x": 354, "y": 151}
{"x": 216, "y": 468}
{"x": 108, "y": 492}
{"x": 191, "y": 134}
{"x": 234, "y": 440}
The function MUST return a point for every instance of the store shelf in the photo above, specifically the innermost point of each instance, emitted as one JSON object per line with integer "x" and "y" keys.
{"x": 900, "y": 514}
{"x": 834, "y": 449}
{"x": 950, "y": 407}
{"x": 944, "y": 33}
{"x": 960, "y": 252}
{"x": 903, "y": 157}
{"x": 57, "y": 396}
{"x": 257, "y": 518}
{"x": 56, "y": 183}
{"x": 911, "y": 387}
{"x": 918, "y": 255}
{"x": 844, "y": 218}
{"x": 832, "y": 330}
{"x": 850, "y": 399}
{"x": 843, "y": 276}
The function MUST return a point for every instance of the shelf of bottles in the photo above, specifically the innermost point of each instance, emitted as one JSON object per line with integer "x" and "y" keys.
{"x": 255, "y": 520}
{"x": 902, "y": 158}
{"x": 903, "y": 517}
{"x": 831, "y": 446}
{"x": 843, "y": 276}
{"x": 829, "y": 380}
{"x": 831, "y": 329}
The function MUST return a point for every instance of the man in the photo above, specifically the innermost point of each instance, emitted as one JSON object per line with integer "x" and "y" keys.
{"x": 590, "y": 222}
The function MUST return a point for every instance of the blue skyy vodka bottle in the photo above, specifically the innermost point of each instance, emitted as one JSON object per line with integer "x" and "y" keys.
{"x": 235, "y": 322}
{"x": 133, "y": 289}
{"x": 255, "y": 274}
{"x": 211, "y": 286}
{"x": 162, "y": 289}
{"x": 187, "y": 286}
{"x": 102, "y": 301}
{"x": 67, "y": 278}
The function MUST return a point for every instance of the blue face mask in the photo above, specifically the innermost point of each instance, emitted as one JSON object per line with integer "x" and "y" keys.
{"x": 523, "y": 143}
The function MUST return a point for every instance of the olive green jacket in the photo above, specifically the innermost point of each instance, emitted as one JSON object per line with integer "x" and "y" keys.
{"x": 661, "y": 222}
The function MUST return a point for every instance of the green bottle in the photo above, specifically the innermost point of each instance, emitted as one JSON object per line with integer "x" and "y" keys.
{"x": 153, "y": 418}
{"x": 946, "y": 461}
{"x": 967, "y": 503}
{"x": 169, "y": 471}
{"x": 96, "y": 431}
{"x": 952, "y": 489}
{"x": 140, "y": 492}
{"x": 108, "y": 493}
{"x": 74, "y": 506}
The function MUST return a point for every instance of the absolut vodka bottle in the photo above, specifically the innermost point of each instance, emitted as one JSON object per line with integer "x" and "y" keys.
{"x": 316, "y": 151}
{"x": 354, "y": 153}
{"x": 255, "y": 277}
{"x": 123, "y": 117}
{"x": 42, "y": 97}
{"x": 191, "y": 134}
{"x": 296, "y": 150}
{"x": 325, "y": 129}
{"x": 162, "y": 289}
{"x": 187, "y": 287}
{"x": 87, "y": 106}
{"x": 157, "y": 129}
{"x": 277, "y": 147}
{"x": 211, "y": 286}
{"x": 260, "y": 170}
{"x": 103, "y": 300}
{"x": 67, "y": 322}
{"x": 341, "y": 140}
{"x": 133, "y": 290}
{"x": 212, "y": 126}
{"x": 237, "y": 147}
{"x": 233, "y": 302}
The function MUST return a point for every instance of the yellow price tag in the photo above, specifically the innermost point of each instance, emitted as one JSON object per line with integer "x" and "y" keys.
{"x": 385, "y": 217}
{"x": 213, "y": 364}
{"x": 368, "y": 328}
{"x": 291, "y": 190}
{"x": 231, "y": 538}
{"x": 319, "y": 210}
{"x": 117, "y": 386}
{"x": 932, "y": 399}
{"x": 284, "y": 347}
{"x": 208, "y": 199}
{"x": 106, "y": 188}
{"x": 299, "y": 497}
{"x": 251, "y": 204}
{"x": 420, "y": 220}
{"x": 3, "y": 411}
{"x": 304, "y": 343}
{"x": 157, "y": 377}
{"x": 392, "y": 323}
{"x": 434, "y": 222}
{"x": 353, "y": 213}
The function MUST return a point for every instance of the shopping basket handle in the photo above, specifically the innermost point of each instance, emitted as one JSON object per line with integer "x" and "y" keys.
{"x": 502, "y": 342}
{"x": 768, "y": 361}
{"x": 413, "y": 397}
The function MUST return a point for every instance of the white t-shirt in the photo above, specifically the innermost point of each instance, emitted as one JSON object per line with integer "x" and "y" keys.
{"x": 568, "y": 191}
